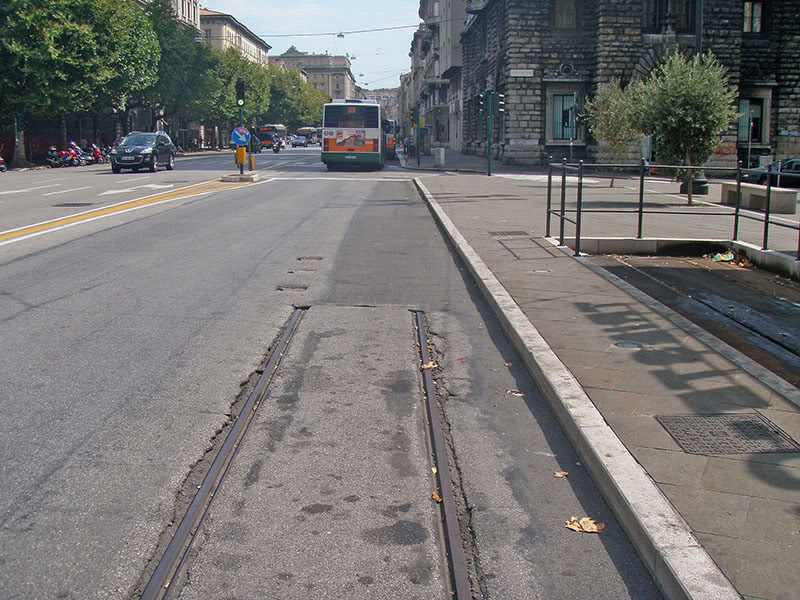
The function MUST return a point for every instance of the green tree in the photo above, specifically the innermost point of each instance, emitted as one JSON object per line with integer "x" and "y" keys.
{"x": 52, "y": 58}
{"x": 685, "y": 104}
{"x": 184, "y": 68}
{"x": 133, "y": 54}
{"x": 293, "y": 101}
{"x": 609, "y": 119}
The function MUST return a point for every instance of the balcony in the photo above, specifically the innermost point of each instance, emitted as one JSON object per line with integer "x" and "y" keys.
{"x": 476, "y": 6}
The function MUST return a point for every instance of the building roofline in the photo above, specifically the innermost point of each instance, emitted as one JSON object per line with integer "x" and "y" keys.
{"x": 204, "y": 12}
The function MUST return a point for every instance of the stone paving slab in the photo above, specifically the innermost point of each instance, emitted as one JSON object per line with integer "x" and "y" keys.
{"x": 673, "y": 373}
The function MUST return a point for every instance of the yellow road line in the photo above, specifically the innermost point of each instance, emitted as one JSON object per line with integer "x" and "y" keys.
{"x": 204, "y": 188}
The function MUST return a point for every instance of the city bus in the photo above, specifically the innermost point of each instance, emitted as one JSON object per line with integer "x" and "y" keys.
{"x": 391, "y": 138}
{"x": 264, "y": 131}
{"x": 352, "y": 134}
{"x": 310, "y": 134}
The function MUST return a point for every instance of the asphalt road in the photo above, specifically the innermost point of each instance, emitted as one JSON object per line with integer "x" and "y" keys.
{"x": 130, "y": 325}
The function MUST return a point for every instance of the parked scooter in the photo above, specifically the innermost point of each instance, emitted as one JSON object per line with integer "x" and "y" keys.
{"x": 3, "y": 166}
{"x": 70, "y": 157}
{"x": 97, "y": 155}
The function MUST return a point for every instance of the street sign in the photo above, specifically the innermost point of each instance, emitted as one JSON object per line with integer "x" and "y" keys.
{"x": 240, "y": 136}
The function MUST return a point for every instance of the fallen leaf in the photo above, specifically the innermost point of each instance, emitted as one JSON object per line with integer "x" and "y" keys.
{"x": 508, "y": 364}
{"x": 461, "y": 358}
{"x": 434, "y": 470}
{"x": 514, "y": 393}
{"x": 436, "y": 497}
{"x": 585, "y": 525}
{"x": 429, "y": 365}
{"x": 560, "y": 474}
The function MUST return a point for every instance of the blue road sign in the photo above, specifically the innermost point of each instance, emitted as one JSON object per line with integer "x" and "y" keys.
{"x": 240, "y": 136}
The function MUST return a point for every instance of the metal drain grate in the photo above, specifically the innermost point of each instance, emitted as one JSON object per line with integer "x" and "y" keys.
{"x": 73, "y": 204}
{"x": 293, "y": 288}
{"x": 507, "y": 233}
{"x": 727, "y": 434}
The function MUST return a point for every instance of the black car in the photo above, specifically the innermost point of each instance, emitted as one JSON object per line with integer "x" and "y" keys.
{"x": 789, "y": 173}
{"x": 143, "y": 150}
{"x": 299, "y": 140}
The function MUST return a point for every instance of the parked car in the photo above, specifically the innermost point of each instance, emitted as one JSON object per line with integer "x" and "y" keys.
{"x": 299, "y": 140}
{"x": 789, "y": 173}
{"x": 139, "y": 150}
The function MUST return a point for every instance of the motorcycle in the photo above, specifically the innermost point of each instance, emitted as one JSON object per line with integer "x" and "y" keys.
{"x": 97, "y": 155}
{"x": 53, "y": 159}
{"x": 71, "y": 158}
{"x": 3, "y": 166}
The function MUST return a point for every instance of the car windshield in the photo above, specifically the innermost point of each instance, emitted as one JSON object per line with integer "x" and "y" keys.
{"x": 139, "y": 139}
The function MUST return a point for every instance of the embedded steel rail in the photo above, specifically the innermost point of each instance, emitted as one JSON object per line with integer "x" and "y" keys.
{"x": 455, "y": 551}
{"x": 169, "y": 567}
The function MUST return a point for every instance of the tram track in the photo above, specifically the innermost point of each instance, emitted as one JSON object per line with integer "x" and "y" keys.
{"x": 166, "y": 579}
{"x": 169, "y": 567}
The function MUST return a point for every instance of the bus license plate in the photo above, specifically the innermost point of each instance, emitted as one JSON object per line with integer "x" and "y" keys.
{"x": 350, "y": 156}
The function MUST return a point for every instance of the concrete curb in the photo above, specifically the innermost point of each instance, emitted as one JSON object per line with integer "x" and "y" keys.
{"x": 680, "y": 566}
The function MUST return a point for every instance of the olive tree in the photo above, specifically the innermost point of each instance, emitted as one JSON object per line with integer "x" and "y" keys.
{"x": 685, "y": 104}
{"x": 609, "y": 119}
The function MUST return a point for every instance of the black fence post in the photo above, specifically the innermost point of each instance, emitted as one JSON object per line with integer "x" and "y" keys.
{"x": 641, "y": 200}
{"x": 766, "y": 211}
{"x": 549, "y": 193}
{"x": 578, "y": 214}
{"x": 738, "y": 200}
{"x": 563, "y": 198}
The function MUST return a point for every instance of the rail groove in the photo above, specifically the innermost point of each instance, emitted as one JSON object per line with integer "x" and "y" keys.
{"x": 456, "y": 558}
{"x": 171, "y": 564}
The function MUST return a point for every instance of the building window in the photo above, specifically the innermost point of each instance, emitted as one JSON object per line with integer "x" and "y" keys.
{"x": 753, "y": 17}
{"x": 751, "y": 120}
{"x": 208, "y": 34}
{"x": 656, "y": 15}
{"x": 565, "y": 14}
{"x": 564, "y": 116}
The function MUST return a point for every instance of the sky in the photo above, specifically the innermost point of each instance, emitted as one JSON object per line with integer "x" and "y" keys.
{"x": 380, "y": 57}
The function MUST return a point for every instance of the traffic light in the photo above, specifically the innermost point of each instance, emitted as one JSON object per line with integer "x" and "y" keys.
{"x": 240, "y": 92}
{"x": 479, "y": 103}
{"x": 501, "y": 102}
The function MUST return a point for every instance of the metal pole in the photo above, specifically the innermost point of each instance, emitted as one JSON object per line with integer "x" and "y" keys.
{"x": 738, "y": 200}
{"x": 780, "y": 166}
{"x": 563, "y": 198}
{"x": 578, "y": 214}
{"x": 549, "y": 193}
{"x": 489, "y": 131}
{"x": 419, "y": 135}
{"x": 641, "y": 200}
{"x": 749, "y": 142}
{"x": 766, "y": 211}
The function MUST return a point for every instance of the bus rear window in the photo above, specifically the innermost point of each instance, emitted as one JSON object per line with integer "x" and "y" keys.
{"x": 351, "y": 116}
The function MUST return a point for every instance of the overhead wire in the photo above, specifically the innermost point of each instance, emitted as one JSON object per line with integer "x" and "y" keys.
{"x": 342, "y": 32}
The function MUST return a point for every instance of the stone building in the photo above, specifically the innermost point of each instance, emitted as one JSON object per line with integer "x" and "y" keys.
{"x": 328, "y": 73}
{"x": 223, "y": 31}
{"x": 548, "y": 55}
{"x": 388, "y": 98}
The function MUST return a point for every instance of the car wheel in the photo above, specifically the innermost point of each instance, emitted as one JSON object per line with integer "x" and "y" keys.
{"x": 154, "y": 164}
{"x": 115, "y": 169}
{"x": 171, "y": 162}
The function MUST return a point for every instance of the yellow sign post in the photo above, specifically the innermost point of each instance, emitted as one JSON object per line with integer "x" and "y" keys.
{"x": 241, "y": 155}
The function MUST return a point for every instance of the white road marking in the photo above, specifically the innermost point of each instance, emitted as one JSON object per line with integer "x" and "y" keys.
{"x": 152, "y": 186}
{"x": 41, "y": 187}
{"x": 67, "y": 191}
{"x": 134, "y": 179}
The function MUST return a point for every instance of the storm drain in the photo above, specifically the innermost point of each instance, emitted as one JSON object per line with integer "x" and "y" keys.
{"x": 507, "y": 233}
{"x": 290, "y": 287}
{"x": 727, "y": 434}
{"x": 73, "y": 204}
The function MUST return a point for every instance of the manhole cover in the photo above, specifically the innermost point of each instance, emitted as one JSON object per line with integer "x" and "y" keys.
{"x": 73, "y": 204}
{"x": 539, "y": 271}
{"x": 507, "y": 233}
{"x": 283, "y": 288}
{"x": 727, "y": 434}
{"x": 628, "y": 345}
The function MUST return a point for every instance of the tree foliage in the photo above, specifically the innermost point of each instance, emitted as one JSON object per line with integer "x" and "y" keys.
{"x": 685, "y": 104}
{"x": 609, "y": 119}
{"x": 294, "y": 102}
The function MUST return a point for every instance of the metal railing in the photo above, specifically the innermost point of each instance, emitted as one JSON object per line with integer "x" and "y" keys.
{"x": 561, "y": 212}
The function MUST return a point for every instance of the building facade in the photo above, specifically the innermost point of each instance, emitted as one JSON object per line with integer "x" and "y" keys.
{"x": 223, "y": 31}
{"x": 187, "y": 11}
{"x": 329, "y": 74}
{"x": 547, "y": 56}
{"x": 388, "y": 98}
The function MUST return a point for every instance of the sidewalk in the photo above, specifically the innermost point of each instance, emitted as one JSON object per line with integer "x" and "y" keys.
{"x": 615, "y": 366}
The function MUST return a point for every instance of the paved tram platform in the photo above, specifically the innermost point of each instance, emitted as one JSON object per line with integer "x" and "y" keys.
{"x": 713, "y": 516}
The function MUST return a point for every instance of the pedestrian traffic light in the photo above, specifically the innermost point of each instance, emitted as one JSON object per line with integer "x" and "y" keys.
{"x": 479, "y": 103}
{"x": 501, "y": 102}
{"x": 240, "y": 91}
